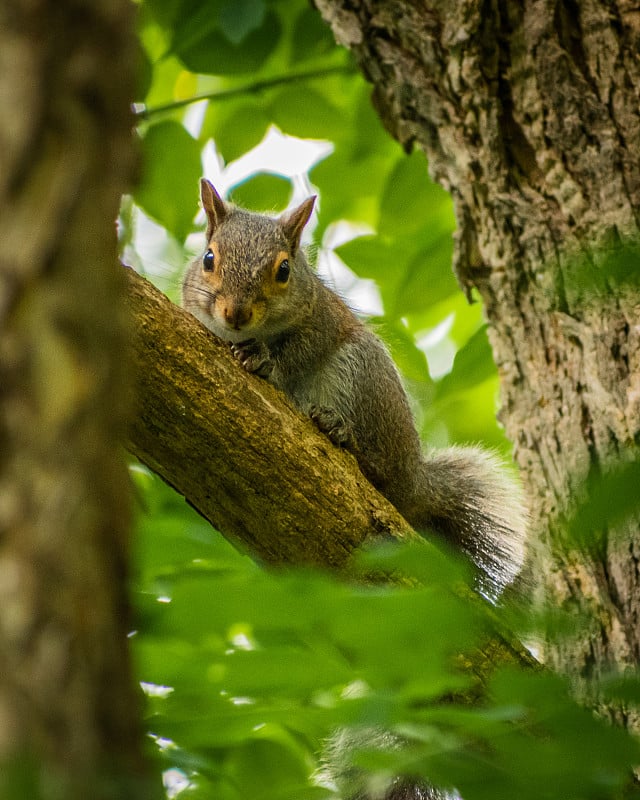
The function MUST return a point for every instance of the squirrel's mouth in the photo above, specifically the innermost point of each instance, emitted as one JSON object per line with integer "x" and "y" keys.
{"x": 235, "y": 331}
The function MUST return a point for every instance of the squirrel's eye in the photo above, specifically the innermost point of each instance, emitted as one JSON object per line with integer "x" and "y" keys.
{"x": 282, "y": 275}
{"x": 208, "y": 261}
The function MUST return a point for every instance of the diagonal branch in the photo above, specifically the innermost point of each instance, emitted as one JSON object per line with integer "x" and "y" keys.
{"x": 250, "y": 463}
{"x": 143, "y": 112}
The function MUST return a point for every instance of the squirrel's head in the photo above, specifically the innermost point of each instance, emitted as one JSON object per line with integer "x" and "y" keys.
{"x": 249, "y": 265}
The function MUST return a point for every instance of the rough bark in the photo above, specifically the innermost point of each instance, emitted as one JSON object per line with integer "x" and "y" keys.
{"x": 529, "y": 114}
{"x": 68, "y": 703}
{"x": 254, "y": 467}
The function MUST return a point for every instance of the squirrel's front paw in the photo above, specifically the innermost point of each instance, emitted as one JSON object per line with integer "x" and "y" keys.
{"x": 333, "y": 425}
{"x": 254, "y": 357}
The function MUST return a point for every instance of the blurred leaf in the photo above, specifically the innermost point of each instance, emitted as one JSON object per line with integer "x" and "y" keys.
{"x": 238, "y": 18}
{"x": 311, "y": 36}
{"x": 465, "y": 399}
{"x": 144, "y": 75}
{"x": 238, "y": 715}
{"x": 266, "y": 192}
{"x": 366, "y": 136}
{"x": 286, "y": 671}
{"x": 369, "y": 257}
{"x": 235, "y": 127}
{"x": 473, "y": 365}
{"x": 625, "y": 689}
{"x": 412, "y": 203}
{"x": 611, "y": 498}
{"x": 203, "y": 47}
{"x": 165, "y": 76}
{"x": 261, "y": 764}
{"x": 307, "y": 114}
{"x": 409, "y": 358}
{"x": 385, "y": 261}
{"x": 428, "y": 278}
{"x": 168, "y": 11}
{"x": 172, "y": 168}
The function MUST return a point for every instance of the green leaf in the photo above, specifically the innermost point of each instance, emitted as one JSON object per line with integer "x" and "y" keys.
{"x": 350, "y": 187}
{"x": 144, "y": 74}
{"x": 262, "y": 763}
{"x": 306, "y": 113}
{"x": 202, "y": 47}
{"x": 367, "y": 256}
{"x": 172, "y": 167}
{"x": 236, "y": 128}
{"x": 473, "y": 365}
{"x": 193, "y": 22}
{"x": 428, "y": 279}
{"x": 238, "y": 18}
{"x": 288, "y": 671}
{"x": 611, "y": 498}
{"x": 411, "y": 361}
{"x": 168, "y": 11}
{"x": 263, "y": 192}
{"x": 412, "y": 203}
{"x": 311, "y": 37}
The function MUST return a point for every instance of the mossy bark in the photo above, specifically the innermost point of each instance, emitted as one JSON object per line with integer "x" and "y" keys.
{"x": 69, "y": 706}
{"x": 529, "y": 115}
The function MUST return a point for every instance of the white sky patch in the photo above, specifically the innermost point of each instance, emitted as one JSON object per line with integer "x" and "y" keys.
{"x": 174, "y": 781}
{"x": 154, "y": 690}
{"x": 241, "y": 641}
{"x": 242, "y": 701}
{"x": 362, "y": 294}
{"x": 438, "y": 348}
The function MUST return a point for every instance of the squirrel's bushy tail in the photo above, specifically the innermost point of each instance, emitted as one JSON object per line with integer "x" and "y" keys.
{"x": 470, "y": 498}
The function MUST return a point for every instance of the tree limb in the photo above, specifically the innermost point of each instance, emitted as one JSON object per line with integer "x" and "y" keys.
{"x": 249, "y": 462}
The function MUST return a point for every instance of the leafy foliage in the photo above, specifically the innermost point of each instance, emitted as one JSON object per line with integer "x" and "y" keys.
{"x": 259, "y": 667}
{"x": 260, "y": 63}
{"x": 247, "y": 671}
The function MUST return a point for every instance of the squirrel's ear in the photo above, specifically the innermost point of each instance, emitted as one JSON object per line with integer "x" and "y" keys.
{"x": 294, "y": 221}
{"x": 213, "y": 205}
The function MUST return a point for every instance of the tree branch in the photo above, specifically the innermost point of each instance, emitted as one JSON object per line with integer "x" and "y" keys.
{"x": 250, "y": 463}
{"x": 143, "y": 112}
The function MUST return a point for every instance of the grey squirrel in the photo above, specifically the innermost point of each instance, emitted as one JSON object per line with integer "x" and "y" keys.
{"x": 254, "y": 288}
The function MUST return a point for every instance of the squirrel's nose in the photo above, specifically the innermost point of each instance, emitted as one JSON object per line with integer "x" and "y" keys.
{"x": 237, "y": 316}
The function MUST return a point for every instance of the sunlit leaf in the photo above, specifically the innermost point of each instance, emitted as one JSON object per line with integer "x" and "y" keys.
{"x": 411, "y": 203}
{"x": 172, "y": 167}
{"x": 307, "y": 114}
{"x": 264, "y": 191}
{"x": 236, "y": 128}
{"x": 473, "y": 364}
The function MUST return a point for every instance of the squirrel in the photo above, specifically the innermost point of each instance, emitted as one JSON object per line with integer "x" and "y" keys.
{"x": 254, "y": 288}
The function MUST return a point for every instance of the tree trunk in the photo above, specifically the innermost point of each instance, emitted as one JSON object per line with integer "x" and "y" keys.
{"x": 69, "y": 707}
{"x": 529, "y": 114}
